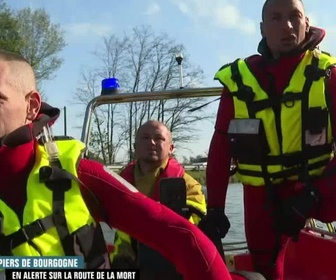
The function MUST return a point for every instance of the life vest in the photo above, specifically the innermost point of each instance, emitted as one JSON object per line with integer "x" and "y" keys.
{"x": 288, "y": 119}
{"x": 173, "y": 169}
{"x": 55, "y": 220}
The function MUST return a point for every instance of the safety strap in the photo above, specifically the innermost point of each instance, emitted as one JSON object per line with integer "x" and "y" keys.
{"x": 312, "y": 73}
{"x": 293, "y": 159}
{"x": 59, "y": 181}
{"x": 284, "y": 173}
{"x": 91, "y": 240}
{"x": 244, "y": 93}
{"x": 25, "y": 234}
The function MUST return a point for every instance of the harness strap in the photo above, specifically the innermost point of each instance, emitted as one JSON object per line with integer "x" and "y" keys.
{"x": 244, "y": 93}
{"x": 30, "y": 231}
{"x": 59, "y": 181}
{"x": 288, "y": 99}
{"x": 295, "y": 158}
{"x": 25, "y": 234}
{"x": 90, "y": 240}
{"x": 284, "y": 173}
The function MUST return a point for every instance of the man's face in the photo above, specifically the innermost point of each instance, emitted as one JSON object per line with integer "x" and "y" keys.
{"x": 13, "y": 105}
{"x": 153, "y": 143}
{"x": 284, "y": 25}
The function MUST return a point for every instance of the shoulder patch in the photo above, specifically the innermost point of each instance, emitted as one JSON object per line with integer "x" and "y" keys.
{"x": 121, "y": 180}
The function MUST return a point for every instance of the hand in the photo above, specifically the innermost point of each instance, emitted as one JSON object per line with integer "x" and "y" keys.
{"x": 220, "y": 220}
{"x": 215, "y": 225}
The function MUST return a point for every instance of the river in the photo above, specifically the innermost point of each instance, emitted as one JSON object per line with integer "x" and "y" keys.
{"x": 235, "y": 211}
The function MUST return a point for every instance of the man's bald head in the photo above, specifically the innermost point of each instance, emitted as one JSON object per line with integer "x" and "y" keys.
{"x": 267, "y": 2}
{"x": 154, "y": 124}
{"x": 21, "y": 74}
{"x": 153, "y": 143}
{"x": 20, "y": 102}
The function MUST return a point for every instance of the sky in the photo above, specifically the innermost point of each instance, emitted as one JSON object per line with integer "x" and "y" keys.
{"x": 214, "y": 32}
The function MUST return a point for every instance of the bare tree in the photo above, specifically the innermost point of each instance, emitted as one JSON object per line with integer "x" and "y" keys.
{"x": 144, "y": 61}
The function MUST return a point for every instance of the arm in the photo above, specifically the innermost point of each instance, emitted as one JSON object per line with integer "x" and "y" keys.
{"x": 331, "y": 99}
{"x": 219, "y": 157}
{"x": 195, "y": 196}
{"x": 152, "y": 223}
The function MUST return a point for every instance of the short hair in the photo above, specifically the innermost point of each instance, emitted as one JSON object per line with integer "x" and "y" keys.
{"x": 264, "y": 8}
{"x": 22, "y": 75}
{"x": 11, "y": 56}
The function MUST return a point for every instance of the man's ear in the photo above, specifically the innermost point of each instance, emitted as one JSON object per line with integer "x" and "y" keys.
{"x": 262, "y": 29}
{"x": 307, "y": 24}
{"x": 171, "y": 149}
{"x": 33, "y": 105}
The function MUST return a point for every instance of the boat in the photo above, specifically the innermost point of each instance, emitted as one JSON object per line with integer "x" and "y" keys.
{"x": 309, "y": 258}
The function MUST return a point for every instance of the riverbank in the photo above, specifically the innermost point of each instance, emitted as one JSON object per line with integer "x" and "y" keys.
{"x": 200, "y": 176}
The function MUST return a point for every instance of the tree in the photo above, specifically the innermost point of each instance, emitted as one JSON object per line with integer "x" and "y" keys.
{"x": 144, "y": 61}
{"x": 10, "y": 40}
{"x": 43, "y": 41}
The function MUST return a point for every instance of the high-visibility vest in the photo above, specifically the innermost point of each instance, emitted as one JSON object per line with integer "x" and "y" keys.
{"x": 55, "y": 220}
{"x": 284, "y": 117}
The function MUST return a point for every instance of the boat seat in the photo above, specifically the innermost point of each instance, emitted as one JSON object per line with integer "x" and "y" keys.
{"x": 248, "y": 275}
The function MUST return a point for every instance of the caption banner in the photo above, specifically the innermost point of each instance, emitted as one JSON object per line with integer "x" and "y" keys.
{"x": 72, "y": 274}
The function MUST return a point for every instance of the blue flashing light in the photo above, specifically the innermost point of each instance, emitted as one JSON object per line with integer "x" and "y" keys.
{"x": 110, "y": 86}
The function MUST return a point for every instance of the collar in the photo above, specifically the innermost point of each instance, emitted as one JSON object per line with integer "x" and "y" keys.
{"x": 155, "y": 172}
{"x": 313, "y": 38}
{"x": 17, "y": 150}
{"x": 26, "y": 133}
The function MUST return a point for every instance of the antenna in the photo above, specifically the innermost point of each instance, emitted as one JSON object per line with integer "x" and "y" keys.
{"x": 179, "y": 58}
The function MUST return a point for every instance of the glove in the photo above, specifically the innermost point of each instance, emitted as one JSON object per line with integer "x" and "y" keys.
{"x": 215, "y": 225}
{"x": 215, "y": 221}
{"x": 291, "y": 214}
{"x": 220, "y": 220}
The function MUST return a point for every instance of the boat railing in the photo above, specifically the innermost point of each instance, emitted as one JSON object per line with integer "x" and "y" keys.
{"x": 324, "y": 230}
{"x": 141, "y": 96}
{"x": 236, "y": 246}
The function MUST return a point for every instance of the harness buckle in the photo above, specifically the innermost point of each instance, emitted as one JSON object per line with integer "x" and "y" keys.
{"x": 314, "y": 73}
{"x": 33, "y": 230}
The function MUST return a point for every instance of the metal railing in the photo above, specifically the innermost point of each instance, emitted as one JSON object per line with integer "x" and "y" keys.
{"x": 141, "y": 96}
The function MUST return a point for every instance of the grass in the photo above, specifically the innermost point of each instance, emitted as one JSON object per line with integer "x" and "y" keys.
{"x": 198, "y": 175}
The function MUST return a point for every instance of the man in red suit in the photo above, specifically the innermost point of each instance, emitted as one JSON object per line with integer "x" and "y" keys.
{"x": 51, "y": 198}
{"x": 277, "y": 120}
